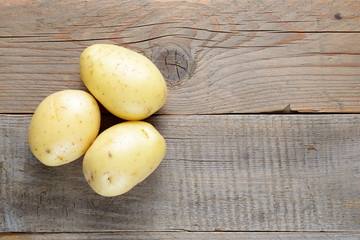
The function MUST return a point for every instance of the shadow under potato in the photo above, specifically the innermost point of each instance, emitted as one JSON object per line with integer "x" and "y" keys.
{"x": 61, "y": 194}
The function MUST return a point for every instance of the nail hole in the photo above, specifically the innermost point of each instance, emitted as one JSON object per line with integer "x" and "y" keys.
{"x": 337, "y": 16}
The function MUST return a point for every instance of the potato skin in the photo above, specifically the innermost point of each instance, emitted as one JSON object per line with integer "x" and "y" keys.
{"x": 63, "y": 127}
{"x": 123, "y": 156}
{"x": 126, "y": 83}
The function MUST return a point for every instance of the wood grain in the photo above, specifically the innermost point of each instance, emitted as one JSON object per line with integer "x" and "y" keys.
{"x": 221, "y": 172}
{"x": 222, "y": 56}
{"x": 183, "y": 236}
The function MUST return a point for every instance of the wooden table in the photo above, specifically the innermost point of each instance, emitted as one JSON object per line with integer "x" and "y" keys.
{"x": 262, "y": 119}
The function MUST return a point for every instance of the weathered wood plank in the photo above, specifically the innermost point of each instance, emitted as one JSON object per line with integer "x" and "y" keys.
{"x": 234, "y": 56}
{"x": 228, "y": 172}
{"x": 183, "y": 236}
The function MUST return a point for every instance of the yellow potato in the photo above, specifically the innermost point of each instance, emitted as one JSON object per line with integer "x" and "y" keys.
{"x": 128, "y": 84}
{"x": 123, "y": 156}
{"x": 63, "y": 127}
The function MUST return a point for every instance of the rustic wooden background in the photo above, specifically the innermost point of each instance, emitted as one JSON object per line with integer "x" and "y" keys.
{"x": 262, "y": 119}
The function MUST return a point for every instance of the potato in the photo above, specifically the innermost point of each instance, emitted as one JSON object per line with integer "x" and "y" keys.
{"x": 126, "y": 83}
{"x": 63, "y": 127}
{"x": 122, "y": 156}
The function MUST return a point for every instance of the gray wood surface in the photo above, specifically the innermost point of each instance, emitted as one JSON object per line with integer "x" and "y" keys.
{"x": 185, "y": 235}
{"x": 221, "y": 172}
{"x": 225, "y": 176}
{"x": 218, "y": 56}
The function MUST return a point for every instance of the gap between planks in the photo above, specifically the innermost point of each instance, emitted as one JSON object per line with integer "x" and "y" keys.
{"x": 185, "y": 235}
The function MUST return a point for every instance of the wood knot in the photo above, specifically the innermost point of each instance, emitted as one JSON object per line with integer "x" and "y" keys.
{"x": 174, "y": 63}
